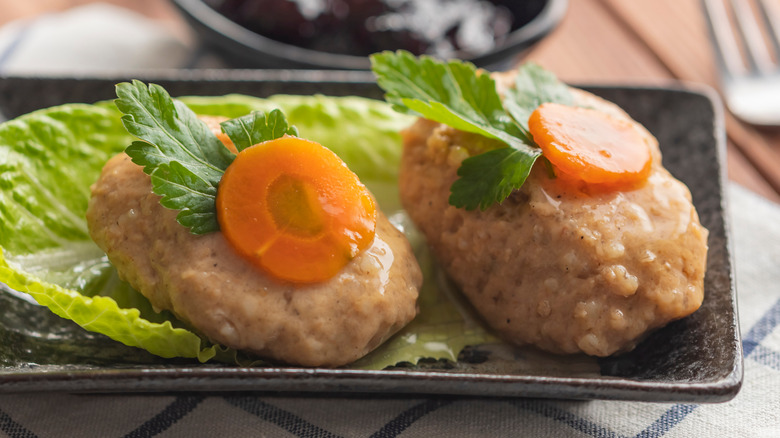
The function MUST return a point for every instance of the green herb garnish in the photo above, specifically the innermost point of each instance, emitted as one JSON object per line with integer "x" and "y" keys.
{"x": 183, "y": 157}
{"x": 456, "y": 94}
{"x": 257, "y": 127}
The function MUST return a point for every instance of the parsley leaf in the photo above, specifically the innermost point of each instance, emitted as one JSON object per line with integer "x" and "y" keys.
{"x": 490, "y": 177}
{"x": 170, "y": 130}
{"x": 183, "y": 157}
{"x": 533, "y": 87}
{"x": 451, "y": 93}
{"x": 257, "y": 127}
{"x": 187, "y": 192}
{"x": 456, "y": 94}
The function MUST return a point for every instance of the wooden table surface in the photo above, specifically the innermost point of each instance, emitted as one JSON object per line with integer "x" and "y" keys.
{"x": 599, "y": 41}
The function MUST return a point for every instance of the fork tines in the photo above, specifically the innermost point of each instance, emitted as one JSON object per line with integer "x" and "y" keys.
{"x": 759, "y": 38}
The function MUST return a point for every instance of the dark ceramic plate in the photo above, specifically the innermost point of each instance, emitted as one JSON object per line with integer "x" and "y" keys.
{"x": 698, "y": 358}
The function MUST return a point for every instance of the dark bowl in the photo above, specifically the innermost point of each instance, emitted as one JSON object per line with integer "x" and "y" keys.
{"x": 243, "y": 48}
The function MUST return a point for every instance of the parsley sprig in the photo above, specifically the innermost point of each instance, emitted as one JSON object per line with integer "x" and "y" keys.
{"x": 257, "y": 127}
{"x": 456, "y": 94}
{"x": 183, "y": 157}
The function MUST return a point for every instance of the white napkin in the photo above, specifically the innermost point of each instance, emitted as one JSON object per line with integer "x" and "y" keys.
{"x": 94, "y": 38}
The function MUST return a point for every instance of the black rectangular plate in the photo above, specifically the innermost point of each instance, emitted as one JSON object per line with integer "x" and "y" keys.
{"x": 696, "y": 359}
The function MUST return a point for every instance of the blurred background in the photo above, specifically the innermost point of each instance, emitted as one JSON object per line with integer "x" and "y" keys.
{"x": 648, "y": 42}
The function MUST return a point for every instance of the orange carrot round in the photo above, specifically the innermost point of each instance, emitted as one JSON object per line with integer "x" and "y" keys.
{"x": 291, "y": 207}
{"x": 591, "y": 146}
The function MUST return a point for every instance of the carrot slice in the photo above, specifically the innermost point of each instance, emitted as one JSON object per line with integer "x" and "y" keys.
{"x": 291, "y": 207}
{"x": 590, "y": 145}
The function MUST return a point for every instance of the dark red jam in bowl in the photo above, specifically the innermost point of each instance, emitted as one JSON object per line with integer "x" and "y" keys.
{"x": 360, "y": 27}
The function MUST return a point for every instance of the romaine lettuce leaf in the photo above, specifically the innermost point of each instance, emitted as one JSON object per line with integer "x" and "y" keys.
{"x": 49, "y": 158}
{"x": 102, "y": 314}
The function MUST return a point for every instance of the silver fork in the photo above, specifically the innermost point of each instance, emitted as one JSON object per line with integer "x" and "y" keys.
{"x": 751, "y": 89}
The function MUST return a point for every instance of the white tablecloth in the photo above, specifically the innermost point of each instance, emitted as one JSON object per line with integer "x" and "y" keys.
{"x": 755, "y": 412}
